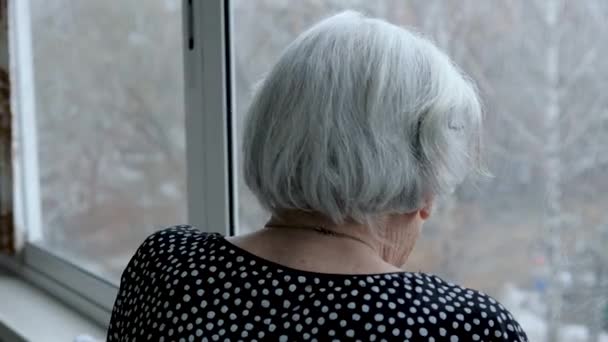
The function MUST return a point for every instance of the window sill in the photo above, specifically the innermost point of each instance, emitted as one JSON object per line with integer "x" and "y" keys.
{"x": 28, "y": 314}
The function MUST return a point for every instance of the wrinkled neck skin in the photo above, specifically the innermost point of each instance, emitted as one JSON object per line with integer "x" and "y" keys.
{"x": 382, "y": 248}
{"x": 392, "y": 237}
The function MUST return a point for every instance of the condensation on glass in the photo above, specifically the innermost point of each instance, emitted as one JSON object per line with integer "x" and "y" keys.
{"x": 536, "y": 234}
{"x": 110, "y": 119}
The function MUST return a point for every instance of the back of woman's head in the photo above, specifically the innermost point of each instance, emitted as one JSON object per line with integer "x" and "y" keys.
{"x": 360, "y": 118}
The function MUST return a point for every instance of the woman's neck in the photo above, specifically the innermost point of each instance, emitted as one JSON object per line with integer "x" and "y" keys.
{"x": 313, "y": 252}
{"x": 391, "y": 238}
{"x": 314, "y": 222}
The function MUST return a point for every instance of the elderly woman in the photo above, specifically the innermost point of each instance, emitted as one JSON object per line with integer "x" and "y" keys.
{"x": 352, "y": 135}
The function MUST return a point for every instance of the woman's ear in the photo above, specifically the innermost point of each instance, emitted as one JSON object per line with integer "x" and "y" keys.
{"x": 425, "y": 212}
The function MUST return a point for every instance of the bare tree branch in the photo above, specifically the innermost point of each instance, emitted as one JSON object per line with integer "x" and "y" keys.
{"x": 583, "y": 67}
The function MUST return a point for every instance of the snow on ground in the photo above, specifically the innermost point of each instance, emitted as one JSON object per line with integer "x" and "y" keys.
{"x": 528, "y": 310}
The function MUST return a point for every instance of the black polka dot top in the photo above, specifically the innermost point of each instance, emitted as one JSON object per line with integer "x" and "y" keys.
{"x": 186, "y": 285}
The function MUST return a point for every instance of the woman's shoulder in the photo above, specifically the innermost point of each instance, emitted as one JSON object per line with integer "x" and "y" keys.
{"x": 173, "y": 233}
{"x": 162, "y": 256}
{"x": 166, "y": 246}
{"x": 456, "y": 308}
{"x": 166, "y": 241}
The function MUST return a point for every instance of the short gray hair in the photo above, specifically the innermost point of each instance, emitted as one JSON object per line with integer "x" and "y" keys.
{"x": 360, "y": 118}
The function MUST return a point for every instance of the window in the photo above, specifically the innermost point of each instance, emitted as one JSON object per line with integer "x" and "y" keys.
{"x": 109, "y": 95}
{"x": 535, "y": 234}
{"x": 122, "y": 130}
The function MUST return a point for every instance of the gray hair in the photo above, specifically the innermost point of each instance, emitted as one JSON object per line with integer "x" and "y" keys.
{"x": 360, "y": 118}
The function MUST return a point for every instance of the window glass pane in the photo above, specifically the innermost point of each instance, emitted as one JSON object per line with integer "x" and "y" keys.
{"x": 110, "y": 116}
{"x": 536, "y": 234}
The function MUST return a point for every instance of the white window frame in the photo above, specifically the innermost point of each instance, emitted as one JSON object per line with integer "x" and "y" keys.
{"x": 209, "y": 152}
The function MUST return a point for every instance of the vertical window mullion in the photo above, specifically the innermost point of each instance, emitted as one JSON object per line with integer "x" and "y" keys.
{"x": 207, "y": 115}
{"x": 27, "y": 181}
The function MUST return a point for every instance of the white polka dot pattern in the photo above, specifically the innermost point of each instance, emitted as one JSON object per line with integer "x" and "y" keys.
{"x": 185, "y": 285}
